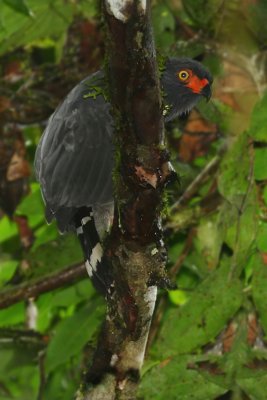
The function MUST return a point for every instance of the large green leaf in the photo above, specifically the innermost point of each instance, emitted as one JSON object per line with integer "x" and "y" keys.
{"x": 50, "y": 19}
{"x": 202, "y": 318}
{"x": 164, "y": 24}
{"x": 173, "y": 380}
{"x": 37, "y": 20}
{"x": 19, "y": 6}
{"x": 61, "y": 301}
{"x": 254, "y": 384}
{"x": 259, "y": 285}
{"x": 7, "y": 268}
{"x": 8, "y": 229}
{"x": 54, "y": 255}
{"x": 208, "y": 242}
{"x": 72, "y": 334}
{"x": 32, "y": 206}
{"x": 258, "y": 125}
{"x": 260, "y": 167}
{"x": 233, "y": 180}
{"x": 13, "y": 315}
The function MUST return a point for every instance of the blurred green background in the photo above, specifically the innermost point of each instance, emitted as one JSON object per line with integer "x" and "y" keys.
{"x": 208, "y": 337}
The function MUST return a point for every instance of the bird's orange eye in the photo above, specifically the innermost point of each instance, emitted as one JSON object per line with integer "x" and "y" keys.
{"x": 183, "y": 75}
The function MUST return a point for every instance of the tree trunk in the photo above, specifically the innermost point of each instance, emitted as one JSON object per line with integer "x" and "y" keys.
{"x": 135, "y": 249}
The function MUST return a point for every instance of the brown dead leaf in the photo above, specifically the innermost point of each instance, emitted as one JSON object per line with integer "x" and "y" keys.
{"x": 5, "y": 104}
{"x": 252, "y": 329}
{"x": 264, "y": 258}
{"x": 229, "y": 337}
{"x": 18, "y": 168}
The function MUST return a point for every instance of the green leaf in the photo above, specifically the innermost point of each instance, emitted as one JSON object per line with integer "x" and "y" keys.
{"x": 7, "y": 269}
{"x": 261, "y": 241}
{"x": 178, "y": 297}
{"x": 234, "y": 171}
{"x": 71, "y": 335}
{"x": 259, "y": 285}
{"x": 51, "y": 19}
{"x": 12, "y": 315}
{"x": 265, "y": 195}
{"x": 32, "y": 206}
{"x": 20, "y": 380}
{"x": 44, "y": 234}
{"x": 199, "y": 321}
{"x": 164, "y": 24}
{"x": 8, "y": 229}
{"x": 255, "y": 384}
{"x": 20, "y": 6}
{"x": 258, "y": 124}
{"x": 202, "y": 13}
{"x": 173, "y": 379}
{"x": 260, "y": 166}
{"x": 59, "y": 386}
{"x": 208, "y": 242}
{"x": 54, "y": 255}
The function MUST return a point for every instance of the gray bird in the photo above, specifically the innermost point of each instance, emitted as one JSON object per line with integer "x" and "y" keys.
{"x": 75, "y": 156}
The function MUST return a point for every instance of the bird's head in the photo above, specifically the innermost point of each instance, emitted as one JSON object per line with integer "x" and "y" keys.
{"x": 184, "y": 81}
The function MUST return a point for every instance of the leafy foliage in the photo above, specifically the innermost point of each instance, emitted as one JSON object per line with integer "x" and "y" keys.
{"x": 209, "y": 334}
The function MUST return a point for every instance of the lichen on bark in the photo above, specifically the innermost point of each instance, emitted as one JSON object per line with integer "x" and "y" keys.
{"x": 135, "y": 248}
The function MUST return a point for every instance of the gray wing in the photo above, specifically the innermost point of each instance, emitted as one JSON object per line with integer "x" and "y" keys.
{"x": 75, "y": 156}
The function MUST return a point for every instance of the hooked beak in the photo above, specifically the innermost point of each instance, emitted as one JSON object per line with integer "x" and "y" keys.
{"x": 206, "y": 92}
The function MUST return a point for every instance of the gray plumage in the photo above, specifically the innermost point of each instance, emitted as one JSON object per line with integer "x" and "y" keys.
{"x": 75, "y": 156}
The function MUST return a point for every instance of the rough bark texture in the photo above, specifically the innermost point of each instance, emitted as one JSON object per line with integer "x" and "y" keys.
{"x": 135, "y": 248}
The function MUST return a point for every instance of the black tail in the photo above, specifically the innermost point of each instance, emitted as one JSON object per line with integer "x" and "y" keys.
{"x": 95, "y": 261}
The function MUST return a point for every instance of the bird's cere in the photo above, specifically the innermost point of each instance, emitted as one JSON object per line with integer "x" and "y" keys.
{"x": 121, "y": 9}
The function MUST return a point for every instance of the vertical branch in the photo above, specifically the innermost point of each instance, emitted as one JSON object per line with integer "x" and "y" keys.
{"x": 135, "y": 249}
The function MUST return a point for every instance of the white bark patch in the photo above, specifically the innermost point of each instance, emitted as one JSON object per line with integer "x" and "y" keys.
{"x": 143, "y": 5}
{"x": 120, "y": 8}
{"x": 117, "y": 8}
{"x": 31, "y": 314}
{"x": 113, "y": 360}
{"x": 150, "y": 298}
{"x": 132, "y": 356}
{"x": 154, "y": 251}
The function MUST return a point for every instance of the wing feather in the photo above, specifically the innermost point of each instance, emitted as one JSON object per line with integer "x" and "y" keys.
{"x": 75, "y": 156}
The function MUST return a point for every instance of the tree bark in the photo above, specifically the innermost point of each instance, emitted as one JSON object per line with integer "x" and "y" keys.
{"x": 135, "y": 249}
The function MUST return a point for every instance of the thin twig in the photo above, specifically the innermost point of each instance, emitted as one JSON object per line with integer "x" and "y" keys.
{"x": 41, "y": 285}
{"x": 22, "y": 337}
{"x": 194, "y": 186}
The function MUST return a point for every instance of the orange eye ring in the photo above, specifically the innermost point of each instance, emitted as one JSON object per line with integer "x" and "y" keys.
{"x": 183, "y": 75}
